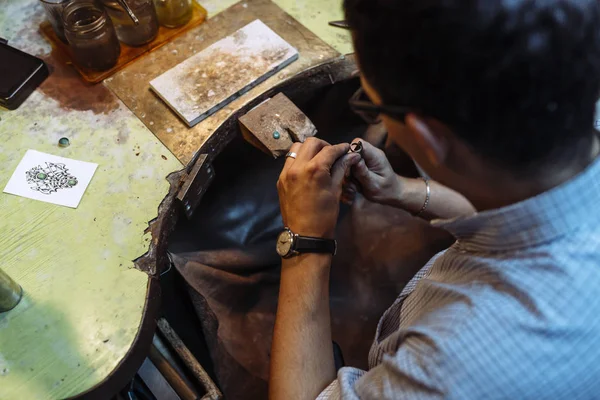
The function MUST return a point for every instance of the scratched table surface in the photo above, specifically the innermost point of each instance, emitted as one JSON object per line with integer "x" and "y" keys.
{"x": 84, "y": 299}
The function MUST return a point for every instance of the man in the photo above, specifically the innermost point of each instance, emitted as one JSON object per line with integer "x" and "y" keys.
{"x": 495, "y": 101}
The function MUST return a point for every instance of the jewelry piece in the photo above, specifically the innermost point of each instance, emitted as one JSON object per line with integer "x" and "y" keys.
{"x": 291, "y": 155}
{"x": 276, "y": 135}
{"x": 427, "y": 197}
{"x": 64, "y": 142}
{"x": 356, "y": 147}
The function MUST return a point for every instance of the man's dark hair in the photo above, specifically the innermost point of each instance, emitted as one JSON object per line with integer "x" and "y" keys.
{"x": 515, "y": 79}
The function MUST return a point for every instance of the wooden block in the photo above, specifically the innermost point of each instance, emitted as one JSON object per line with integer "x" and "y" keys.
{"x": 277, "y": 116}
{"x": 204, "y": 83}
{"x": 265, "y": 141}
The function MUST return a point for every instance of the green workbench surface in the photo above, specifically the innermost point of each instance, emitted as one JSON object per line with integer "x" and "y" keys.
{"x": 84, "y": 299}
{"x": 314, "y": 14}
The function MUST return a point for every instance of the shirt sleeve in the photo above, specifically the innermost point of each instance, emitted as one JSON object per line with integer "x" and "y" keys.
{"x": 411, "y": 373}
{"x": 343, "y": 386}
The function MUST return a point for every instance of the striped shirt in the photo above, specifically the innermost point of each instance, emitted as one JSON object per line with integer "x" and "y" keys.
{"x": 510, "y": 311}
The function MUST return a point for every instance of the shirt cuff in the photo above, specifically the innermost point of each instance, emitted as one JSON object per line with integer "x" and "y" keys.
{"x": 343, "y": 386}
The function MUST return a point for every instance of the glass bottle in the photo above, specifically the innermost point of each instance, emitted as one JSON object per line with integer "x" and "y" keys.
{"x": 54, "y": 9}
{"x": 173, "y": 13}
{"x": 91, "y": 35}
{"x": 10, "y": 292}
{"x": 128, "y": 31}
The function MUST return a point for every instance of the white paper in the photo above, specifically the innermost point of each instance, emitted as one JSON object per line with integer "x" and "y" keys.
{"x": 51, "y": 179}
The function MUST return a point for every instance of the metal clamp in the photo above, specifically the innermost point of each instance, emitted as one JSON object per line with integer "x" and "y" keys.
{"x": 196, "y": 183}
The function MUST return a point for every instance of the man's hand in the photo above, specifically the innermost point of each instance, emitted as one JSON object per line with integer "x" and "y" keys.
{"x": 310, "y": 186}
{"x": 379, "y": 183}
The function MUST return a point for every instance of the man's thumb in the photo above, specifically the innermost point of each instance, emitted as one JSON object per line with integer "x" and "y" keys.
{"x": 361, "y": 172}
{"x": 342, "y": 166}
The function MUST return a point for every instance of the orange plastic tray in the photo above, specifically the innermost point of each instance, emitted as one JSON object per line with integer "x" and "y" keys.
{"x": 128, "y": 54}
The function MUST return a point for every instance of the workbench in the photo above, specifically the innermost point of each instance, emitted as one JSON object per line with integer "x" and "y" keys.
{"x": 82, "y": 325}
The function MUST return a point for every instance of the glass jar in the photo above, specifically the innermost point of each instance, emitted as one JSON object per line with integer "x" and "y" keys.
{"x": 10, "y": 292}
{"x": 91, "y": 35}
{"x": 54, "y": 9}
{"x": 127, "y": 31}
{"x": 173, "y": 13}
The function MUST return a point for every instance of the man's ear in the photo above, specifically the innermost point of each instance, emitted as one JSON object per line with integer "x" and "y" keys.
{"x": 430, "y": 136}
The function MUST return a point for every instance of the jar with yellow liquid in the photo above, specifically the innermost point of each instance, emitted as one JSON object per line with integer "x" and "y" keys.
{"x": 133, "y": 32}
{"x": 173, "y": 13}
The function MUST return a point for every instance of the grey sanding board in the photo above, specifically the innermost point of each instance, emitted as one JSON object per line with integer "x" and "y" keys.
{"x": 206, "y": 82}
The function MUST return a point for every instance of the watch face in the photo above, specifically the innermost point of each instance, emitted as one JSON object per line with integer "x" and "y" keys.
{"x": 284, "y": 243}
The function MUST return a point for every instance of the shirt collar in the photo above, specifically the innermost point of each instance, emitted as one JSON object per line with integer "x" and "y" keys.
{"x": 534, "y": 221}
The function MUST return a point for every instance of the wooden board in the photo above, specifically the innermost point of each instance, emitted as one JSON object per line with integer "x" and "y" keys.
{"x": 206, "y": 82}
{"x": 275, "y": 125}
{"x": 128, "y": 54}
{"x": 132, "y": 83}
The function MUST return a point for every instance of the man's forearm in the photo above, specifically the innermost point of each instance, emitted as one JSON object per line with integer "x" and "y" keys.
{"x": 443, "y": 202}
{"x": 302, "y": 363}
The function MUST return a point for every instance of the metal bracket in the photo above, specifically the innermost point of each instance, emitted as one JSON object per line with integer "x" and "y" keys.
{"x": 195, "y": 185}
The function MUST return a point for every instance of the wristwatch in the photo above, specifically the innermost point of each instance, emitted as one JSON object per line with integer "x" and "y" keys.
{"x": 290, "y": 244}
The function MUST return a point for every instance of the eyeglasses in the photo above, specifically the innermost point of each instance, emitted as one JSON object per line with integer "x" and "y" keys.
{"x": 370, "y": 112}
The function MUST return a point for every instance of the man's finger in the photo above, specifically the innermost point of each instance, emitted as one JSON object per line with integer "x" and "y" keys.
{"x": 369, "y": 153}
{"x": 360, "y": 171}
{"x": 339, "y": 169}
{"x": 310, "y": 148}
{"x": 289, "y": 160}
{"x": 349, "y": 186}
{"x": 330, "y": 154}
{"x": 347, "y": 198}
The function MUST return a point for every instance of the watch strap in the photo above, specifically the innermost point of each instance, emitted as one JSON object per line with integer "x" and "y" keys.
{"x": 307, "y": 244}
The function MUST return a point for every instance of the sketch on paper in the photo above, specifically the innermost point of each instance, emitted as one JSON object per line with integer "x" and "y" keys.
{"x": 51, "y": 178}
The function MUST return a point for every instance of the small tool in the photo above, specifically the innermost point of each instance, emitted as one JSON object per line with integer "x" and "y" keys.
{"x": 129, "y": 11}
{"x": 340, "y": 24}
